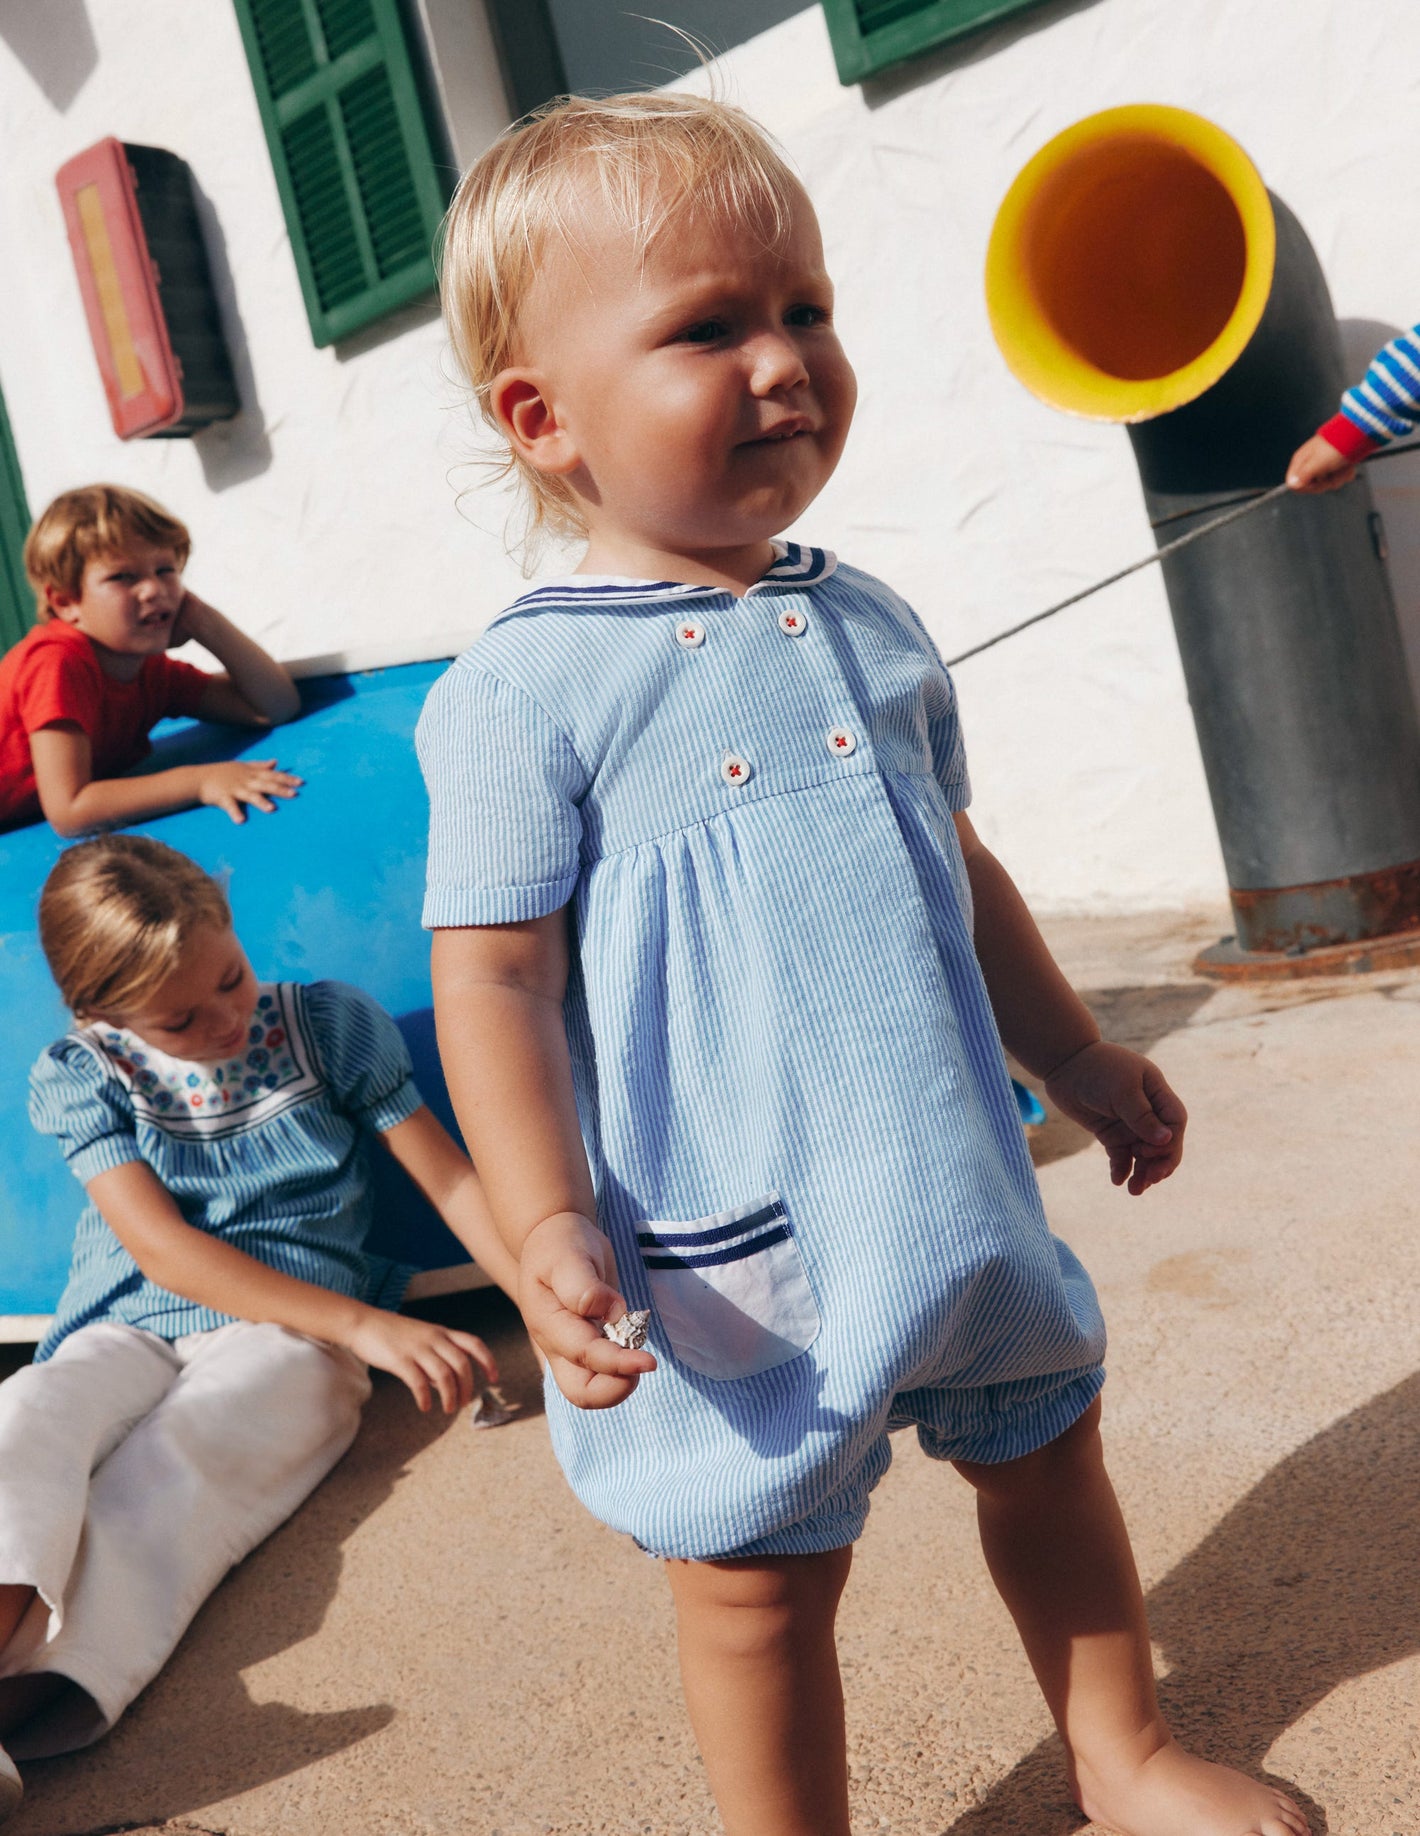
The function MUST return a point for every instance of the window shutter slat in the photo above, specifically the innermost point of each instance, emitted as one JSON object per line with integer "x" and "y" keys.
{"x": 871, "y": 35}
{"x": 361, "y": 186}
{"x": 17, "y": 605}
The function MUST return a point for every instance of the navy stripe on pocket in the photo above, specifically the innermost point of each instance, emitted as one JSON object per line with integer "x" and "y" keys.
{"x": 689, "y": 1239}
{"x": 735, "y": 1253}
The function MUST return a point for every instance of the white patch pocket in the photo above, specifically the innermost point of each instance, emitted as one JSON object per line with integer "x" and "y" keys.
{"x": 730, "y": 1290}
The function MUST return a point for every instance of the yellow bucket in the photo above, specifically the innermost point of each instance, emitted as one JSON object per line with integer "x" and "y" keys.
{"x": 1130, "y": 263}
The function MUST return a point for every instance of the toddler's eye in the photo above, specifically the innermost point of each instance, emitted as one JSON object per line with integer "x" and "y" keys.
{"x": 229, "y": 981}
{"x": 178, "y": 1026}
{"x": 705, "y": 331}
{"x": 806, "y": 315}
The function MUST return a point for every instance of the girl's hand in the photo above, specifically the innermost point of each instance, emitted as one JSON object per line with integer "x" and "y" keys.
{"x": 1317, "y": 466}
{"x": 1126, "y": 1104}
{"x": 566, "y": 1288}
{"x": 427, "y": 1359}
{"x": 230, "y": 783}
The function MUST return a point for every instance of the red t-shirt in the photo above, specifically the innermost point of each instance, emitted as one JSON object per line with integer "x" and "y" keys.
{"x": 53, "y": 674}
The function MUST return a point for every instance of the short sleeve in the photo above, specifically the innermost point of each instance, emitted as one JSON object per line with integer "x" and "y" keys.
{"x": 944, "y": 734}
{"x": 179, "y": 689}
{"x": 76, "y": 1098}
{"x": 505, "y": 824}
{"x": 362, "y": 1054}
{"x": 59, "y": 682}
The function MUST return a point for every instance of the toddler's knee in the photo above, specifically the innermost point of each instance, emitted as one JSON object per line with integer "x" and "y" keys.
{"x": 755, "y": 1610}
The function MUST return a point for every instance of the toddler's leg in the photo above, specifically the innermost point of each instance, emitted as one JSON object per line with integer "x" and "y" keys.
{"x": 760, "y": 1672}
{"x": 255, "y": 1420}
{"x": 1058, "y": 1551}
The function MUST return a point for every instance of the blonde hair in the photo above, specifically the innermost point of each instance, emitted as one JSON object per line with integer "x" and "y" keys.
{"x": 116, "y": 915}
{"x": 93, "y": 521}
{"x": 644, "y": 158}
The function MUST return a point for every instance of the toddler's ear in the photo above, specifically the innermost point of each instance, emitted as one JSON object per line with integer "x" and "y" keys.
{"x": 61, "y": 604}
{"x": 530, "y": 424}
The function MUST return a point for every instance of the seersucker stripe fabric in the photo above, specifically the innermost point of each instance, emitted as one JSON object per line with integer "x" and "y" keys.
{"x": 806, "y": 1151}
{"x": 267, "y": 1151}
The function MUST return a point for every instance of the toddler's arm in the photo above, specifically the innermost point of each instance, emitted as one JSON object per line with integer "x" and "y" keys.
{"x": 1120, "y": 1096}
{"x": 1384, "y": 406}
{"x": 498, "y": 1001}
{"x": 256, "y": 691}
{"x": 142, "y": 1214}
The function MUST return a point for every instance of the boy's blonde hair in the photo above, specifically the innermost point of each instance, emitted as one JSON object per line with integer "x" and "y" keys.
{"x": 644, "y": 158}
{"x": 94, "y": 521}
{"x": 116, "y": 915}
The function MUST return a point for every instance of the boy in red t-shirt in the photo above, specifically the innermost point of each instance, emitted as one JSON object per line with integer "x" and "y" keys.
{"x": 79, "y": 693}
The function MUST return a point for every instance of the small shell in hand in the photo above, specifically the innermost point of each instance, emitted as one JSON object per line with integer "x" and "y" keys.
{"x": 629, "y": 1331}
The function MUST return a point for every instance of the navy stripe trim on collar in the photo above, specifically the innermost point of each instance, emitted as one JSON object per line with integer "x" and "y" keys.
{"x": 797, "y": 566}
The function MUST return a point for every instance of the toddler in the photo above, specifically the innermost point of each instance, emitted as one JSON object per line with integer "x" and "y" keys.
{"x": 80, "y": 692}
{"x": 206, "y": 1366}
{"x": 723, "y": 973}
{"x": 1384, "y": 406}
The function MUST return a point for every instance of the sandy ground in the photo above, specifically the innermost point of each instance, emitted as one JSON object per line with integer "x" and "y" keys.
{"x": 443, "y": 1644}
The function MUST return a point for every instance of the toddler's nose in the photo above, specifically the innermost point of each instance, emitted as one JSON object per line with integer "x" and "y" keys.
{"x": 778, "y": 363}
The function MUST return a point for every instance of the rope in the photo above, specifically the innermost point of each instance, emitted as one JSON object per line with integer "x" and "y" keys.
{"x": 1242, "y": 507}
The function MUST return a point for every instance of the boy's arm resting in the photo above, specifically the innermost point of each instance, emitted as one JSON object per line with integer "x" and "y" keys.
{"x": 498, "y": 1003}
{"x": 256, "y": 691}
{"x": 142, "y": 1214}
{"x": 1121, "y": 1097}
{"x": 445, "y": 1175}
{"x": 74, "y": 801}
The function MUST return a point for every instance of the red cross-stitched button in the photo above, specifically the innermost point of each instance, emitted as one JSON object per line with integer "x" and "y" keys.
{"x": 793, "y": 623}
{"x": 734, "y": 769}
{"x": 840, "y": 741}
{"x": 688, "y": 634}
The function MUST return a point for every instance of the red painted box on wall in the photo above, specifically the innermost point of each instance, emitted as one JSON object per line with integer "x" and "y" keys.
{"x": 147, "y": 289}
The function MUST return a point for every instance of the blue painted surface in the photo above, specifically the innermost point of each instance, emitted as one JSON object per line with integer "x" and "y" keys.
{"x": 331, "y": 885}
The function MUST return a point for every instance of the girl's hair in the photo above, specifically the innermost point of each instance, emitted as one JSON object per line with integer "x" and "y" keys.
{"x": 116, "y": 915}
{"x": 644, "y": 158}
{"x": 93, "y": 521}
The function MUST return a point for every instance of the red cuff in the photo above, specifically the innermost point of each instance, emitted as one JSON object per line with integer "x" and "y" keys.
{"x": 1351, "y": 441}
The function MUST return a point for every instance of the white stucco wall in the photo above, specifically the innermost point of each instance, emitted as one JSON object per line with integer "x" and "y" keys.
{"x": 325, "y": 518}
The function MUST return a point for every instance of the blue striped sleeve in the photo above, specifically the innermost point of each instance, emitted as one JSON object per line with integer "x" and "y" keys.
{"x": 944, "y": 734}
{"x": 76, "y": 1098}
{"x": 1386, "y": 402}
{"x": 505, "y": 785}
{"x": 362, "y": 1054}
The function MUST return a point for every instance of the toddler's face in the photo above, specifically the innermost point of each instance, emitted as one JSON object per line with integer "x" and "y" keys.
{"x": 201, "y": 1011}
{"x": 127, "y": 601}
{"x": 700, "y": 390}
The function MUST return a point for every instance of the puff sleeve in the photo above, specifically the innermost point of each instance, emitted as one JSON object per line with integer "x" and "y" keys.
{"x": 78, "y": 1099}
{"x": 505, "y": 785}
{"x": 362, "y": 1054}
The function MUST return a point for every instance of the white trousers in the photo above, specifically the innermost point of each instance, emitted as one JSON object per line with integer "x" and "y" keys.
{"x": 133, "y": 1474}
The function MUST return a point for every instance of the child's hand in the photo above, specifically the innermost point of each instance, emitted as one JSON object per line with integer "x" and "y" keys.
{"x": 426, "y": 1358}
{"x": 1126, "y": 1104}
{"x": 230, "y": 783}
{"x": 1317, "y": 466}
{"x": 566, "y": 1288}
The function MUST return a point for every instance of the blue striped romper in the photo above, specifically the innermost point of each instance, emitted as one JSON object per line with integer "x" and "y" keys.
{"x": 805, "y": 1147}
{"x": 266, "y": 1151}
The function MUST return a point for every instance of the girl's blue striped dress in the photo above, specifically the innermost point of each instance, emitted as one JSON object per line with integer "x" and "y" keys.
{"x": 806, "y": 1150}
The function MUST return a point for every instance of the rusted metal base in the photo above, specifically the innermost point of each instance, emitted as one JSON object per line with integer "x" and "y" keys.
{"x": 1362, "y": 906}
{"x": 1228, "y": 962}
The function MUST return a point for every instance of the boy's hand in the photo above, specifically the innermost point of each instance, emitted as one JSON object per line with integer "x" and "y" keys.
{"x": 566, "y": 1288}
{"x": 427, "y": 1359}
{"x": 230, "y": 783}
{"x": 1126, "y": 1104}
{"x": 1317, "y": 466}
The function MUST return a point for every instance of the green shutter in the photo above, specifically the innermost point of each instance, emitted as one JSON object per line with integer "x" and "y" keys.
{"x": 17, "y": 600}
{"x": 362, "y": 186}
{"x": 869, "y": 35}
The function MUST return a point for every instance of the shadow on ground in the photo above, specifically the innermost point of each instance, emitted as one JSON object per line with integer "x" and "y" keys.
{"x": 195, "y": 1736}
{"x": 1312, "y": 1579}
{"x": 1137, "y": 1017}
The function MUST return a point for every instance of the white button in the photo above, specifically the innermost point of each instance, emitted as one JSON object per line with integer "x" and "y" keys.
{"x": 793, "y": 624}
{"x": 841, "y": 742}
{"x": 689, "y": 635}
{"x": 734, "y": 769}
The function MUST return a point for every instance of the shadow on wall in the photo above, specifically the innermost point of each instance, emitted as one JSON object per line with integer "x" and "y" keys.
{"x": 54, "y": 42}
{"x": 1285, "y": 1601}
{"x": 974, "y": 49}
{"x": 232, "y": 451}
{"x": 1395, "y": 486}
{"x": 196, "y": 1737}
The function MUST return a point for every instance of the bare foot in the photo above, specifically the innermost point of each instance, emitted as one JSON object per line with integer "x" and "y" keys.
{"x": 1174, "y": 1794}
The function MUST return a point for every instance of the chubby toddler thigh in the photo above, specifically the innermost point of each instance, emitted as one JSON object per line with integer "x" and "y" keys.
{"x": 59, "y": 1421}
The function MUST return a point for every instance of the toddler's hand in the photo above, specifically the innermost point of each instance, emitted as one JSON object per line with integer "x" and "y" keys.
{"x": 233, "y": 782}
{"x": 1126, "y": 1104}
{"x": 1317, "y": 466}
{"x": 427, "y": 1359}
{"x": 566, "y": 1287}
